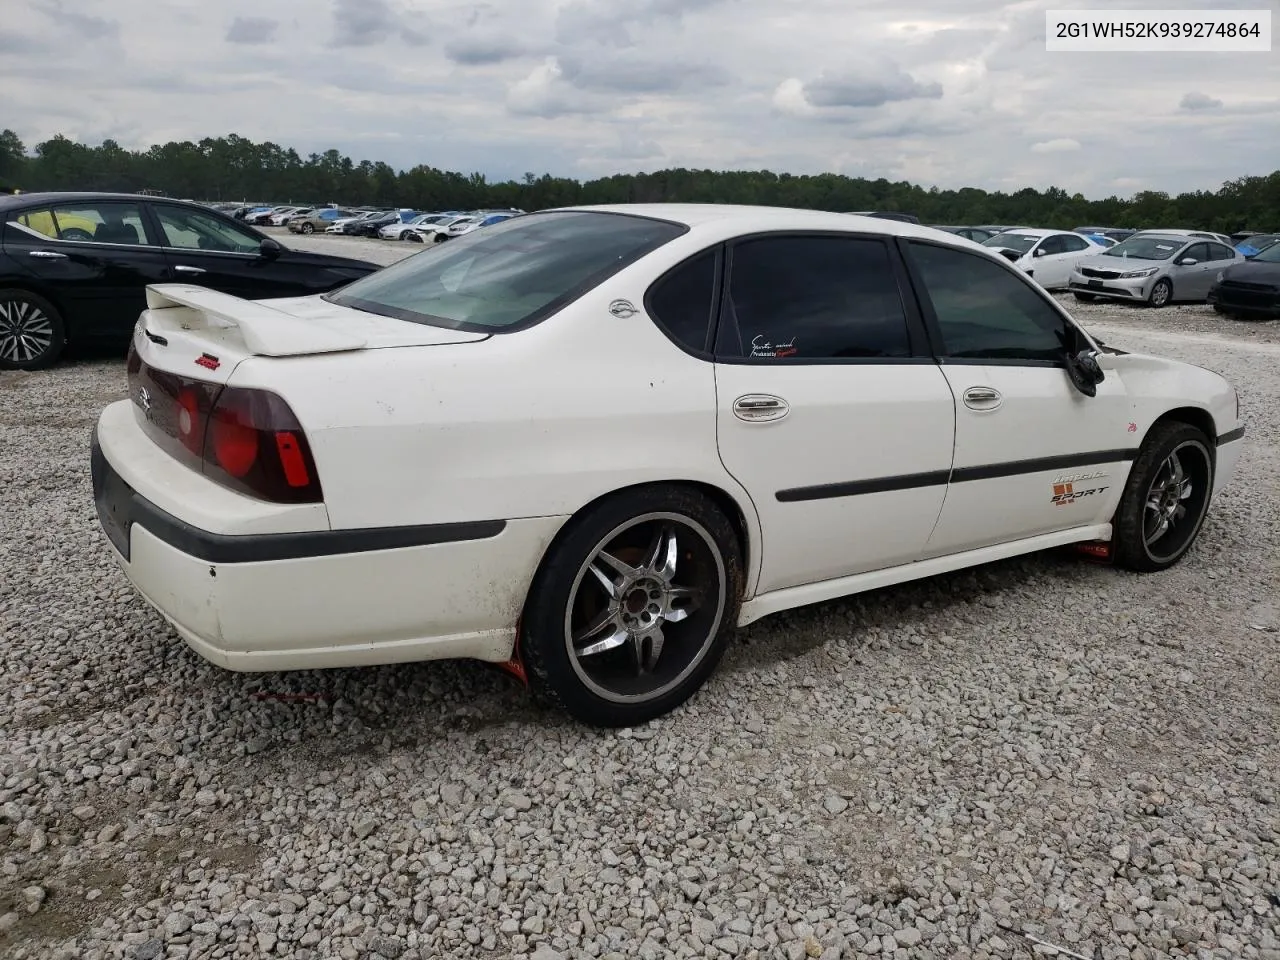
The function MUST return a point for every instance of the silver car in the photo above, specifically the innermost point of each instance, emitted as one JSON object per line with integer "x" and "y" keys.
{"x": 1153, "y": 268}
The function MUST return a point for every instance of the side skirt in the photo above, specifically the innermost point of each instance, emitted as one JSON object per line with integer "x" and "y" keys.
{"x": 808, "y": 593}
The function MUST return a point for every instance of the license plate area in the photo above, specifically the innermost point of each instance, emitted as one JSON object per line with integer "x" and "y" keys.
{"x": 1095, "y": 283}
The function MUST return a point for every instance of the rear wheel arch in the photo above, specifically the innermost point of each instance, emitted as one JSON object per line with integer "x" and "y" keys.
{"x": 728, "y": 504}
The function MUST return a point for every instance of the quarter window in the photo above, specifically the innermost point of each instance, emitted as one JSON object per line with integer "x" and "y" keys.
{"x": 193, "y": 230}
{"x": 814, "y": 298}
{"x": 984, "y": 311}
{"x": 681, "y": 302}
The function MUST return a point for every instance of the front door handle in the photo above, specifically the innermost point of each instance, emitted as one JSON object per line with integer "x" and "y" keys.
{"x": 757, "y": 407}
{"x": 982, "y": 398}
{"x": 47, "y": 255}
{"x": 183, "y": 268}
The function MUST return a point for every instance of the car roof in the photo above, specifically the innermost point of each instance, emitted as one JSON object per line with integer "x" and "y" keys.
{"x": 696, "y": 215}
{"x": 53, "y": 196}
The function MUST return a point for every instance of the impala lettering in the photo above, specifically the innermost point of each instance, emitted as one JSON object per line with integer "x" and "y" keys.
{"x": 760, "y": 347}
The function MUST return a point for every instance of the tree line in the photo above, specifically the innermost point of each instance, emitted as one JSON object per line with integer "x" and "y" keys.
{"x": 235, "y": 168}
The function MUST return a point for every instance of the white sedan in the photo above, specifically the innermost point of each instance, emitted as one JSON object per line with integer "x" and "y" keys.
{"x": 1048, "y": 256}
{"x": 588, "y": 443}
{"x": 404, "y": 229}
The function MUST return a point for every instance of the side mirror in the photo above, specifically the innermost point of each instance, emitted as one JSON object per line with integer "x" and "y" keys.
{"x": 1085, "y": 372}
{"x": 270, "y": 248}
{"x": 1188, "y": 262}
{"x": 1040, "y": 252}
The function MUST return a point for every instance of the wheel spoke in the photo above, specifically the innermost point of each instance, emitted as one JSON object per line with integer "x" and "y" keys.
{"x": 1185, "y": 492}
{"x": 606, "y": 619}
{"x": 1162, "y": 527}
{"x": 611, "y": 642}
{"x": 664, "y": 553}
{"x": 612, "y": 584}
{"x": 648, "y": 648}
{"x": 684, "y": 602}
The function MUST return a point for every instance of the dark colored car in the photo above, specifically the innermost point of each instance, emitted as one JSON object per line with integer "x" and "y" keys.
{"x": 371, "y": 226}
{"x": 1250, "y": 290}
{"x": 887, "y": 215}
{"x": 976, "y": 234}
{"x": 75, "y": 266}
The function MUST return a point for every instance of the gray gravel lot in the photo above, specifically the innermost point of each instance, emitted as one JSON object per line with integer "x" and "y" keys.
{"x": 1042, "y": 745}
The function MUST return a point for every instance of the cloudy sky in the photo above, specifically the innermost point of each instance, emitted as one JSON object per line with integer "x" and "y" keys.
{"x": 947, "y": 92}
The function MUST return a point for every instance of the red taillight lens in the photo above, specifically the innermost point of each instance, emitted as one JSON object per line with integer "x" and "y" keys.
{"x": 248, "y": 440}
{"x": 234, "y": 441}
{"x": 255, "y": 444}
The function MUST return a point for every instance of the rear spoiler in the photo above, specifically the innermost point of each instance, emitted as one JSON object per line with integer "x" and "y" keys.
{"x": 266, "y": 331}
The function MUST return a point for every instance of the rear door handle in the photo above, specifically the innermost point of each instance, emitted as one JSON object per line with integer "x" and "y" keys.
{"x": 982, "y": 398}
{"x": 183, "y": 268}
{"x": 757, "y": 407}
{"x": 47, "y": 255}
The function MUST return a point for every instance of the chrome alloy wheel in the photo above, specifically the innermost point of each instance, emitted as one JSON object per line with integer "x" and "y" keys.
{"x": 645, "y": 607}
{"x": 26, "y": 331}
{"x": 1176, "y": 501}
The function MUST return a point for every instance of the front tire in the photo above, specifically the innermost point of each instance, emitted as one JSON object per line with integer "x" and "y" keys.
{"x": 307, "y": 228}
{"x": 1161, "y": 293}
{"x": 32, "y": 334}
{"x": 633, "y": 607}
{"x": 1165, "y": 499}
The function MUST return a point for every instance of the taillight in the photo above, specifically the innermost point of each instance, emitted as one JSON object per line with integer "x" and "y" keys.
{"x": 253, "y": 443}
{"x": 246, "y": 439}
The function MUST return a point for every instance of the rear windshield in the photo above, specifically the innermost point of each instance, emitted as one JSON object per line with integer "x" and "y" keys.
{"x": 509, "y": 275}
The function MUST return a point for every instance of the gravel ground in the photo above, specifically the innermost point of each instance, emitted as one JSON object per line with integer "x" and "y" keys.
{"x": 1039, "y": 746}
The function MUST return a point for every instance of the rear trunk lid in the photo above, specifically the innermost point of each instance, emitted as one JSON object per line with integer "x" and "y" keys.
{"x": 195, "y": 330}
{"x": 190, "y": 339}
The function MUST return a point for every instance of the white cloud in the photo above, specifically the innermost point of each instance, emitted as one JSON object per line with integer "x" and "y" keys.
{"x": 1057, "y": 145}
{"x": 947, "y": 93}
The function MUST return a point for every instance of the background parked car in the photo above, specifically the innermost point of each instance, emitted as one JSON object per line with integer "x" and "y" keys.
{"x": 1047, "y": 256}
{"x": 396, "y": 229}
{"x": 468, "y": 224}
{"x": 1199, "y": 234}
{"x": 58, "y": 285}
{"x": 1249, "y": 290}
{"x": 976, "y": 234}
{"x": 316, "y": 220}
{"x": 338, "y": 225}
{"x": 1154, "y": 268}
{"x": 1256, "y": 243}
{"x": 260, "y": 218}
{"x": 369, "y": 226}
{"x": 1114, "y": 233}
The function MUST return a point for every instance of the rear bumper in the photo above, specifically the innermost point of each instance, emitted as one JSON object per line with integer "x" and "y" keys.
{"x": 317, "y": 598}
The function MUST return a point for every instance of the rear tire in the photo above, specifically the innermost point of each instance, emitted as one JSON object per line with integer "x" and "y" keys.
{"x": 1166, "y": 498}
{"x": 633, "y": 607}
{"x": 32, "y": 334}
